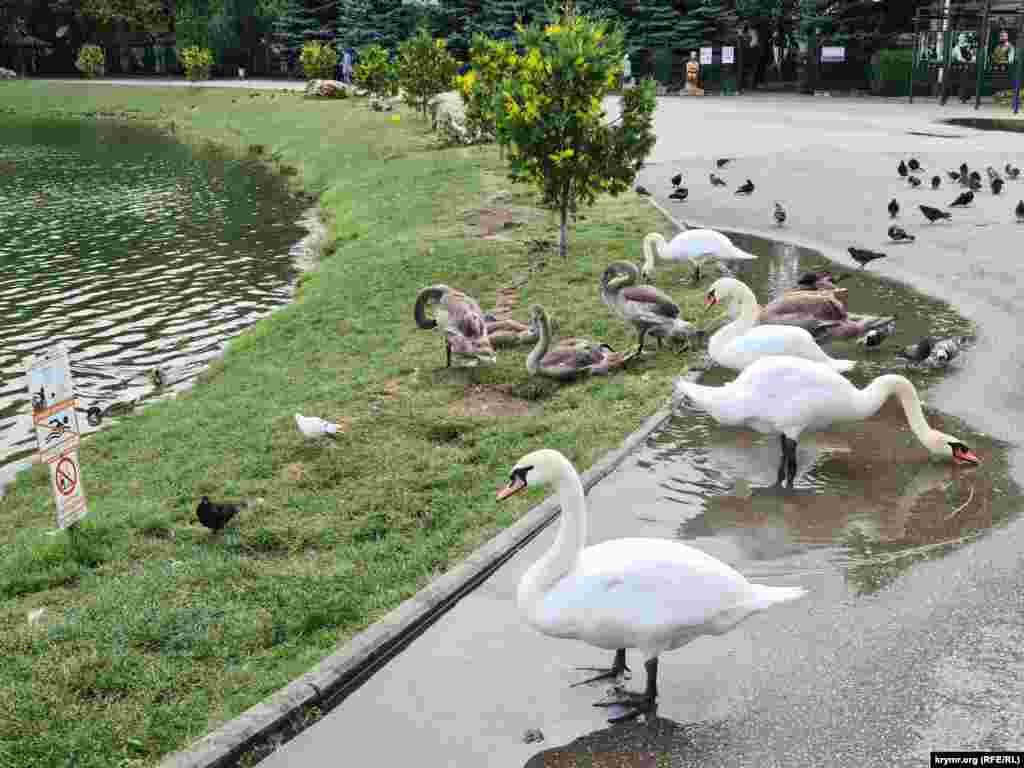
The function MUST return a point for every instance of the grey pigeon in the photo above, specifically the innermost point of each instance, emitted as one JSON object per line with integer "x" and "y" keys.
{"x": 899, "y": 235}
{"x": 953, "y": 175}
{"x": 1019, "y": 210}
{"x": 640, "y": 190}
{"x": 997, "y": 186}
{"x": 780, "y": 214}
{"x": 894, "y": 208}
{"x": 914, "y": 165}
{"x": 716, "y": 181}
{"x": 1012, "y": 171}
{"x": 722, "y": 162}
{"x": 936, "y": 181}
{"x": 914, "y": 181}
{"x": 874, "y": 338}
{"x": 964, "y": 198}
{"x": 919, "y": 350}
{"x": 680, "y": 194}
{"x": 677, "y": 180}
{"x": 934, "y": 214}
{"x": 745, "y": 189}
{"x": 902, "y": 169}
{"x": 863, "y": 256}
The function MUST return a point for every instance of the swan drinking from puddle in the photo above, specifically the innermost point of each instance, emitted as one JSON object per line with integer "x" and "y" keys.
{"x": 654, "y": 595}
{"x": 692, "y": 245}
{"x": 788, "y": 396}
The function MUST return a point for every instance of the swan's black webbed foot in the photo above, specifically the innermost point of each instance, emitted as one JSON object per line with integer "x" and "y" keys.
{"x": 634, "y": 703}
{"x": 618, "y": 669}
{"x": 787, "y": 467}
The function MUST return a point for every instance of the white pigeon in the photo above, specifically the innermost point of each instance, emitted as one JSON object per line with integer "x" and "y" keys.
{"x": 314, "y": 426}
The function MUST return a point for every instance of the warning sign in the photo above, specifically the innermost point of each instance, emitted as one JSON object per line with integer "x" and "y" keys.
{"x": 56, "y": 422}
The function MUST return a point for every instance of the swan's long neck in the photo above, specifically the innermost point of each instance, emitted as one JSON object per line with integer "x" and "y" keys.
{"x": 745, "y": 320}
{"x": 541, "y": 347}
{"x": 654, "y": 247}
{"x": 870, "y": 399}
{"x": 571, "y": 538}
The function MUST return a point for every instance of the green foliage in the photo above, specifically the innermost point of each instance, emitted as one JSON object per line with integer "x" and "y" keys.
{"x": 705, "y": 23}
{"x": 660, "y": 27}
{"x": 550, "y": 112}
{"x": 375, "y": 72}
{"x": 138, "y": 14}
{"x": 192, "y": 23}
{"x": 91, "y": 60}
{"x": 384, "y": 22}
{"x": 318, "y": 60}
{"x": 425, "y": 69}
{"x": 197, "y": 62}
{"x": 293, "y": 26}
{"x": 492, "y": 62}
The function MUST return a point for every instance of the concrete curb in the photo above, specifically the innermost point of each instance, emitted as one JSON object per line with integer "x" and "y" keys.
{"x": 333, "y": 679}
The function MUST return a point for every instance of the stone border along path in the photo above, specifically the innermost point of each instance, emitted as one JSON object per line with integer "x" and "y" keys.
{"x": 278, "y": 718}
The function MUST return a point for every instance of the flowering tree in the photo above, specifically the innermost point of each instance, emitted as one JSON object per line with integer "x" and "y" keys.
{"x": 550, "y": 113}
{"x": 492, "y": 61}
{"x": 425, "y": 69}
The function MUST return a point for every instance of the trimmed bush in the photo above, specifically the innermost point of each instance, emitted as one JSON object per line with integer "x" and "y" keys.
{"x": 425, "y": 69}
{"x": 91, "y": 60}
{"x": 319, "y": 61}
{"x": 197, "y": 62}
{"x": 375, "y": 72}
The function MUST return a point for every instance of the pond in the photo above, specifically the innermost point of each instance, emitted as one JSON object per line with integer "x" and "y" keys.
{"x": 138, "y": 252}
{"x": 867, "y": 499}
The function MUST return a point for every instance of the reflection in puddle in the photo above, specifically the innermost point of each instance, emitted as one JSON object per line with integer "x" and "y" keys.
{"x": 867, "y": 498}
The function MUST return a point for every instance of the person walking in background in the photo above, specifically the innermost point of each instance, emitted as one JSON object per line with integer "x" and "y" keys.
{"x": 1003, "y": 52}
{"x": 346, "y": 66}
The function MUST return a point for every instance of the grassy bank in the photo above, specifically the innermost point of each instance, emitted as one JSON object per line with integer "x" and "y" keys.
{"x": 157, "y": 631}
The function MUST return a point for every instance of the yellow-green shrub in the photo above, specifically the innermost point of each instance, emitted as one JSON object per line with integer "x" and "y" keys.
{"x": 197, "y": 62}
{"x": 492, "y": 61}
{"x": 319, "y": 61}
{"x": 425, "y": 69}
{"x": 91, "y": 60}
{"x": 375, "y": 72}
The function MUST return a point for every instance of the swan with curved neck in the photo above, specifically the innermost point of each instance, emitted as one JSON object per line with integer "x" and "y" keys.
{"x": 654, "y": 595}
{"x": 788, "y": 396}
{"x": 570, "y": 358}
{"x": 644, "y": 306}
{"x": 460, "y": 319}
{"x": 694, "y": 245}
{"x": 743, "y": 341}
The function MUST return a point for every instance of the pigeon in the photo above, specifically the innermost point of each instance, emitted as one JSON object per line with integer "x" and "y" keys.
{"x": 640, "y": 190}
{"x": 934, "y": 214}
{"x": 716, "y": 181}
{"x": 894, "y": 208}
{"x": 1012, "y": 171}
{"x": 953, "y": 175}
{"x": 914, "y": 165}
{"x": 992, "y": 172}
{"x": 974, "y": 180}
{"x": 919, "y": 350}
{"x": 746, "y": 189}
{"x": 314, "y": 426}
{"x": 997, "y": 186}
{"x": 874, "y": 338}
{"x": 945, "y": 350}
{"x": 722, "y": 162}
{"x": 902, "y": 168}
{"x": 863, "y": 256}
{"x": 680, "y": 194}
{"x": 215, "y": 516}
{"x": 811, "y": 280}
{"x": 914, "y": 181}
{"x": 964, "y": 198}
{"x": 899, "y": 234}
{"x": 677, "y": 180}
{"x": 975, "y": 185}
{"x": 963, "y": 172}
{"x": 1019, "y": 210}
{"x": 780, "y": 214}
{"x": 936, "y": 181}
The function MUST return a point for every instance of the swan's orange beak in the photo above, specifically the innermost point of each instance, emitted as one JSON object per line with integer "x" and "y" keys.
{"x": 965, "y": 456}
{"x": 513, "y": 487}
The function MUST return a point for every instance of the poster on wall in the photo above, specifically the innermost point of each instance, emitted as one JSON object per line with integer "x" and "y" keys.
{"x": 965, "y": 47}
{"x": 1004, "y": 52}
{"x": 705, "y": 55}
{"x": 833, "y": 54}
{"x": 728, "y": 54}
{"x": 929, "y": 48}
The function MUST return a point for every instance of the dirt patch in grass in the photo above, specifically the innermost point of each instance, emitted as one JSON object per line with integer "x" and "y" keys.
{"x": 493, "y": 402}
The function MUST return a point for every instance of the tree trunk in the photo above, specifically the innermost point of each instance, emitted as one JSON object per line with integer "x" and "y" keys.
{"x": 563, "y": 233}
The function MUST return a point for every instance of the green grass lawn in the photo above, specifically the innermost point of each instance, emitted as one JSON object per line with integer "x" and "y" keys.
{"x": 156, "y": 631}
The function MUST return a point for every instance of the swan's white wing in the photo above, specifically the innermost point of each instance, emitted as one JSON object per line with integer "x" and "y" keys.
{"x": 697, "y": 242}
{"x": 645, "y": 593}
{"x": 772, "y": 340}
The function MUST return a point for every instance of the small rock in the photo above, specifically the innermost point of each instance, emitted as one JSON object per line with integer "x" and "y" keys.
{"x": 8, "y": 74}
{"x": 532, "y": 735}
{"x": 36, "y": 616}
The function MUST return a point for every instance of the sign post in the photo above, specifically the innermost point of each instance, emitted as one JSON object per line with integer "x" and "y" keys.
{"x": 57, "y": 431}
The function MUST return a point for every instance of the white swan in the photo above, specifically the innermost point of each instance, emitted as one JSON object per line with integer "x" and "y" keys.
{"x": 651, "y": 594}
{"x": 743, "y": 341}
{"x": 788, "y": 396}
{"x": 691, "y": 245}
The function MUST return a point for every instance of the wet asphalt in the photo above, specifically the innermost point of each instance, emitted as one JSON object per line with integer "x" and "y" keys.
{"x": 933, "y": 660}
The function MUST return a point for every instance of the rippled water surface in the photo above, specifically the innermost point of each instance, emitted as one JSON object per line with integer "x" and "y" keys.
{"x": 138, "y": 252}
{"x": 867, "y": 499}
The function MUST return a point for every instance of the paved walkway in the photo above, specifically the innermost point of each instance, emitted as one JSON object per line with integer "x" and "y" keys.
{"x": 823, "y": 681}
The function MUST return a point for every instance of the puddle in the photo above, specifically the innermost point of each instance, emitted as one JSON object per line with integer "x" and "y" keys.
{"x": 867, "y": 498}
{"x": 1007, "y": 124}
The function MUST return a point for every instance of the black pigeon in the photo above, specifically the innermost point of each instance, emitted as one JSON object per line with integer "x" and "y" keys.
{"x": 215, "y": 516}
{"x": 936, "y": 181}
{"x": 1019, "y": 210}
{"x": 918, "y": 351}
{"x": 716, "y": 181}
{"x": 997, "y": 186}
{"x": 1012, "y": 171}
{"x": 902, "y": 168}
{"x": 811, "y": 279}
{"x": 677, "y": 180}
{"x": 975, "y": 185}
{"x": 992, "y": 172}
{"x": 964, "y": 198}
{"x": 642, "y": 191}
{"x": 914, "y": 165}
{"x": 974, "y": 177}
{"x": 746, "y": 189}
{"x": 863, "y": 256}
{"x": 780, "y": 214}
{"x": 894, "y": 208}
{"x": 680, "y": 194}
{"x": 914, "y": 181}
{"x": 963, "y": 171}
{"x": 872, "y": 339}
{"x": 899, "y": 234}
{"x": 934, "y": 214}
{"x": 722, "y": 162}
{"x": 953, "y": 175}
